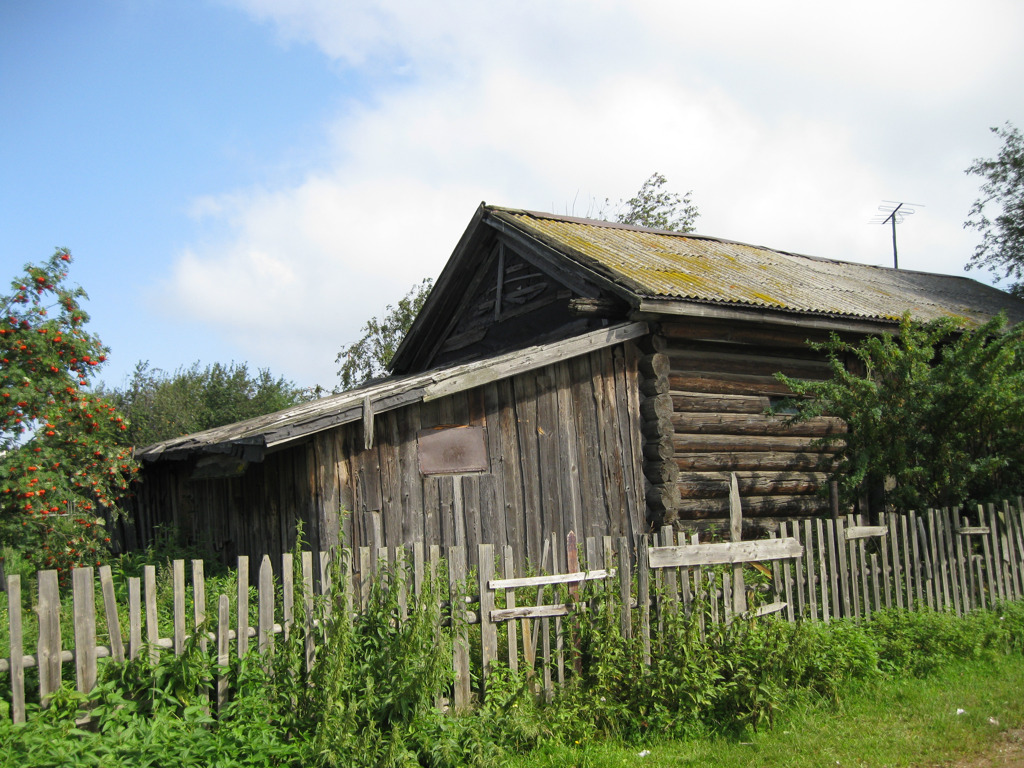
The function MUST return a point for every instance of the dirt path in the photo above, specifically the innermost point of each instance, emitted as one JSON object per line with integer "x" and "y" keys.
{"x": 1008, "y": 752}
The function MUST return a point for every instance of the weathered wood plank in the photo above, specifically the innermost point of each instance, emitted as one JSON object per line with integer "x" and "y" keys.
{"x": 508, "y": 568}
{"x": 178, "y": 584}
{"x": 866, "y": 532}
{"x": 84, "y": 600}
{"x": 17, "y": 650}
{"x": 152, "y": 632}
{"x": 701, "y": 443}
{"x": 555, "y": 578}
{"x": 223, "y": 649}
{"x": 724, "y": 553}
{"x": 488, "y": 632}
{"x": 265, "y": 610}
{"x": 110, "y": 612}
{"x": 134, "y": 617}
{"x": 460, "y": 639}
{"x": 48, "y": 648}
{"x": 242, "y": 607}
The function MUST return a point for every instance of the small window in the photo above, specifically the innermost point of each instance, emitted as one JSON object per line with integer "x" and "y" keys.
{"x": 452, "y": 450}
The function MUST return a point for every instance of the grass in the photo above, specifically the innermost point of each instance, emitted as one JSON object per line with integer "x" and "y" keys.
{"x": 892, "y": 722}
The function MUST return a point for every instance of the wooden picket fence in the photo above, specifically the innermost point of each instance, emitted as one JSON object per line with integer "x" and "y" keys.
{"x": 817, "y": 570}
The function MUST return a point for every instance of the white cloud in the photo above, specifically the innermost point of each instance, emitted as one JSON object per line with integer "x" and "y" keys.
{"x": 557, "y": 105}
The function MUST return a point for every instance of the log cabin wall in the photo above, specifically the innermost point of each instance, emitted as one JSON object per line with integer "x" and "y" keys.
{"x": 563, "y": 452}
{"x": 706, "y": 386}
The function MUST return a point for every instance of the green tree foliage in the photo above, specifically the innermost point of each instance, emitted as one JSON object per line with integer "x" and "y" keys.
{"x": 937, "y": 410}
{"x": 1002, "y": 238}
{"x": 63, "y": 456}
{"x": 368, "y": 358}
{"x": 655, "y": 208}
{"x": 160, "y": 405}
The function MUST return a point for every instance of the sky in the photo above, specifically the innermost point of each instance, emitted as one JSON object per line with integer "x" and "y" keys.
{"x": 251, "y": 180}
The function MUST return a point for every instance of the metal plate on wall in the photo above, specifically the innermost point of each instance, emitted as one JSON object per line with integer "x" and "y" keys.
{"x": 452, "y": 450}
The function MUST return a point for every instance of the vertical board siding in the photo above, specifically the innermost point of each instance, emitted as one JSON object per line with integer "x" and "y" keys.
{"x": 564, "y": 454}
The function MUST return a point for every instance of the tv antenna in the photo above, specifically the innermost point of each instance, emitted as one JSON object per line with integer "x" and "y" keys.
{"x": 893, "y": 212}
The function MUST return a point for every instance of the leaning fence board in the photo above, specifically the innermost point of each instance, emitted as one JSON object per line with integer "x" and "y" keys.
{"x": 724, "y": 553}
{"x": 110, "y": 611}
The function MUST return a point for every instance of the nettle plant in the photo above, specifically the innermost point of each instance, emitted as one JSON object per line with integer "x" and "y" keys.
{"x": 63, "y": 464}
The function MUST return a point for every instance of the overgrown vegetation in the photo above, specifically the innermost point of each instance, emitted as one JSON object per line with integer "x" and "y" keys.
{"x": 934, "y": 412}
{"x": 161, "y": 405}
{"x": 368, "y": 358}
{"x": 377, "y": 694}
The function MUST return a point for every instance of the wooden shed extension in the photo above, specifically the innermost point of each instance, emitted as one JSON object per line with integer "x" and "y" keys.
{"x": 554, "y": 430}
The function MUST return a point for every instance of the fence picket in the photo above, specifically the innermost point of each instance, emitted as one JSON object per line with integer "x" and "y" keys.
{"x": 17, "y": 662}
{"x": 812, "y": 591}
{"x": 110, "y": 612}
{"x": 199, "y": 600}
{"x": 460, "y": 640}
{"x": 242, "y": 607}
{"x": 934, "y": 560}
{"x": 83, "y": 595}
{"x": 134, "y": 617}
{"x": 178, "y": 580}
{"x": 152, "y": 631}
{"x": 823, "y": 580}
{"x": 508, "y": 568}
{"x": 48, "y": 645}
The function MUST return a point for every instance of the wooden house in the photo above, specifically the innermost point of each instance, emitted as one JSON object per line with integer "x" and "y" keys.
{"x": 564, "y": 374}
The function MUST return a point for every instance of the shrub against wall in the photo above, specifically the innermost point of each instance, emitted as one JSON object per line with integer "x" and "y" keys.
{"x": 934, "y": 408}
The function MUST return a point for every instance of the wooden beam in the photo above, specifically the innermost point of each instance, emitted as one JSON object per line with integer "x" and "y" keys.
{"x": 725, "y": 553}
{"x": 530, "y": 359}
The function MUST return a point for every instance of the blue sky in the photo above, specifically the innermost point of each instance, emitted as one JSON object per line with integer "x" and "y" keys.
{"x": 251, "y": 180}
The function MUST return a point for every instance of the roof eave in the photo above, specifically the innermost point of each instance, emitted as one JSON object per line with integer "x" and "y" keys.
{"x": 775, "y": 316}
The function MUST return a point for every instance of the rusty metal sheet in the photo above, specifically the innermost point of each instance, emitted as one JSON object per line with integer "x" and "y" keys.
{"x": 452, "y": 450}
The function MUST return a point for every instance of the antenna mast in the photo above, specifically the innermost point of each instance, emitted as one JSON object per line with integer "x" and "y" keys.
{"x": 892, "y": 212}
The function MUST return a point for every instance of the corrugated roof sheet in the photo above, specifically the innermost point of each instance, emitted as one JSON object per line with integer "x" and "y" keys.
{"x": 663, "y": 265}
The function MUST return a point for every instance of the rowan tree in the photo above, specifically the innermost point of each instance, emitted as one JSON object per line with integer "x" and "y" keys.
{"x": 63, "y": 462}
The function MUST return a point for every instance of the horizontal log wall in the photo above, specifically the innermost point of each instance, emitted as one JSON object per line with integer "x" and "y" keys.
{"x": 706, "y": 389}
{"x": 564, "y": 454}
